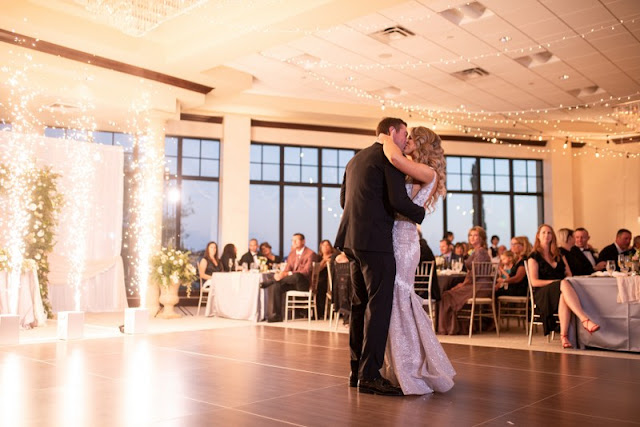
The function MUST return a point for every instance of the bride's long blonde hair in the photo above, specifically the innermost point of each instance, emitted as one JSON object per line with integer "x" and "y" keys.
{"x": 429, "y": 151}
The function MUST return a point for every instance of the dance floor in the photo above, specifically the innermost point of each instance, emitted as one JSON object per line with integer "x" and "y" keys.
{"x": 244, "y": 373}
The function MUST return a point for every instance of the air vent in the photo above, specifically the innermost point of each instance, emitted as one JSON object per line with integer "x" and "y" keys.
{"x": 388, "y": 92}
{"x": 537, "y": 59}
{"x": 587, "y": 91}
{"x": 392, "y": 34}
{"x": 466, "y": 13}
{"x": 471, "y": 73}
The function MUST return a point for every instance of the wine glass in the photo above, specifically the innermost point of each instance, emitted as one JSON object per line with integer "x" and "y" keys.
{"x": 621, "y": 261}
{"x": 611, "y": 267}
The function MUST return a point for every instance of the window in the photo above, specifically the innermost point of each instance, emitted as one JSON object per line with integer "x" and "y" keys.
{"x": 295, "y": 189}
{"x": 504, "y": 196}
{"x": 190, "y": 211}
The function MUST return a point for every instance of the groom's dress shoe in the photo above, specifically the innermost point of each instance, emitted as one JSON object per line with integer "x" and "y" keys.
{"x": 353, "y": 379}
{"x": 379, "y": 386}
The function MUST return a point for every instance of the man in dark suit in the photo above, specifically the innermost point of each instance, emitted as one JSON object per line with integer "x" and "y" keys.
{"x": 295, "y": 276}
{"x": 584, "y": 259}
{"x": 619, "y": 247}
{"x": 372, "y": 191}
{"x": 251, "y": 257}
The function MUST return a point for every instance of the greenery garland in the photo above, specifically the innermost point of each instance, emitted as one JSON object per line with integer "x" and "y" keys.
{"x": 46, "y": 202}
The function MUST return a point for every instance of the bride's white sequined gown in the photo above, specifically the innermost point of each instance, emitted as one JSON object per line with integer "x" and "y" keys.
{"x": 414, "y": 358}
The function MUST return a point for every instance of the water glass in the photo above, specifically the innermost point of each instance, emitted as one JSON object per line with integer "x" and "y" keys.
{"x": 611, "y": 267}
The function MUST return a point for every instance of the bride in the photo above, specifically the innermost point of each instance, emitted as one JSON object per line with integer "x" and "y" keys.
{"x": 414, "y": 358}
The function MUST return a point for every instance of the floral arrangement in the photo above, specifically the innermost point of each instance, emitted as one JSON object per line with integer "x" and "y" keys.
{"x": 5, "y": 264}
{"x": 439, "y": 261}
{"x": 44, "y": 206}
{"x": 262, "y": 263}
{"x": 4, "y": 260}
{"x": 173, "y": 266}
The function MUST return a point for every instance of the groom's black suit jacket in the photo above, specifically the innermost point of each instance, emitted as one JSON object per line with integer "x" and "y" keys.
{"x": 372, "y": 191}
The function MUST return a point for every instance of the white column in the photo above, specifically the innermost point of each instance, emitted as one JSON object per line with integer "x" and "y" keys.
{"x": 234, "y": 182}
{"x": 559, "y": 203}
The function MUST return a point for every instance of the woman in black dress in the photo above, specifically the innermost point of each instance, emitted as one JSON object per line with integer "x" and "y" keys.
{"x": 552, "y": 293}
{"x": 228, "y": 259}
{"x": 210, "y": 263}
{"x": 272, "y": 259}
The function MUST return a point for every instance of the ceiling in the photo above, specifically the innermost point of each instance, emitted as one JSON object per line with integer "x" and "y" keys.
{"x": 534, "y": 68}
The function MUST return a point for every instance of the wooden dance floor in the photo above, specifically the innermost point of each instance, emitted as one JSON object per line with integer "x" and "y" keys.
{"x": 259, "y": 375}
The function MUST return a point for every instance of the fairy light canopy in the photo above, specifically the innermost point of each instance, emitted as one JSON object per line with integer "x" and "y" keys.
{"x": 521, "y": 70}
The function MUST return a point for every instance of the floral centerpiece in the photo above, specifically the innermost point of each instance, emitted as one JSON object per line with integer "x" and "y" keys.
{"x": 262, "y": 261}
{"x": 172, "y": 266}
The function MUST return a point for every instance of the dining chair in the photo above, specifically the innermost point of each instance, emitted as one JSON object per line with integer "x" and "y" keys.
{"x": 484, "y": 274}
{"x": 422, "y": 286}
{"x": 516, "y": 307}
{"x": 328, "y": 304}
{"x": 304, "y": 299}
{"x": 205, "y": 288}
{"x": 535, "y": 317}
{"x": 342, "y": 274}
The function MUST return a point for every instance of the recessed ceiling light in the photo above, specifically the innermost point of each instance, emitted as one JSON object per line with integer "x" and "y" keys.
{"x": 505, "y": 39}
{"x": 564, "y": 77}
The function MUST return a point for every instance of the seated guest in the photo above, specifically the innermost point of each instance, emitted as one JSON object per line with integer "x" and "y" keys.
{"x": 493, "y": 250}
{"x": 326, "y": 254}
{"x": 210, "y": 263}
{"x": 566, "y": 243}
{"x": 228, "y": 258}
{"x": 272, "y": 259}
{"x": 584, "y": 257}
{"x": 636, "y": 243}
{"x": 446, "y": 252}
{"x": 507, "y": 261}
{"x": 515, "y": 284}
{"x": 501, "y": 249}
{"x": 552, "y": 293}
{"x": 251, "y": 257}
{"x": 621, "y": 246}
{"x": 295, "y": 276}
{"x": 459, "y": 252}
{"x": 455, "y": 298}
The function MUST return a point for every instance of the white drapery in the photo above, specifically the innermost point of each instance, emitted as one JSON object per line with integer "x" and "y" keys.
{"x": 102, "y": 277}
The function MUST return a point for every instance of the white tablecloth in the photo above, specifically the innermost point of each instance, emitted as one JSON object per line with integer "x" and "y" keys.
{"x": 236, "y": 295}
{"x": 30, "y": 307}
{"x": 619, "y": 322}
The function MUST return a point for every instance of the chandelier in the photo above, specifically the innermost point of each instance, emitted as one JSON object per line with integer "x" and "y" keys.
{"x": 138, "y": 17}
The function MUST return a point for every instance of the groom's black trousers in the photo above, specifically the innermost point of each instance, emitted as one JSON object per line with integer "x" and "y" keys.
{"x": 372, "y": 276}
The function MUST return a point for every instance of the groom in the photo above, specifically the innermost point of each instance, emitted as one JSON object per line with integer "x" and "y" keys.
{"x": 372, "y": 191}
